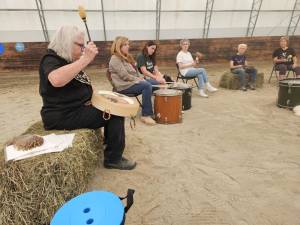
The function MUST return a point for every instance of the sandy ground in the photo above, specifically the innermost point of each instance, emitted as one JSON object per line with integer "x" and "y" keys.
{"x": 235, "y": 159}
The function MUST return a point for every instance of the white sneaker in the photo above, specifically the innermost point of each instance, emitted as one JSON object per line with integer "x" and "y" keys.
{"x": 210, "y": 88}
{"x": 202, "y": 93}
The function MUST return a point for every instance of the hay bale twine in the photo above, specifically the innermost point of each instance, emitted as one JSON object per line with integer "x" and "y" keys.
{"x": 31, "y": 190}
{"x": 232, "y": 81}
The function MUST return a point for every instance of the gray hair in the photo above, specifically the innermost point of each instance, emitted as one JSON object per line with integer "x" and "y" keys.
{"x": 184, "y": 40}
{"x": 62, "y": 41}
{"x": 286, "y": 38}
{"x": 242, "y": 46}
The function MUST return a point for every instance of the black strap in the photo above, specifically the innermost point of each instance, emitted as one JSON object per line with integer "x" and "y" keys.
{"x": 129, "y": 197}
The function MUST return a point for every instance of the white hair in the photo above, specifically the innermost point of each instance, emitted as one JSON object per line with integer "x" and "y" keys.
{"x": 242, "y": 45}
{"x": 62, "y": 41}
{"x": 184, "y": 40}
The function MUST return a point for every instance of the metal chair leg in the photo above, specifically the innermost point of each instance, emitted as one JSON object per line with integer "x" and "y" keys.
{"x": 287, "y": 74}
{"x": 272, "y": 74}
{"x": 196, "y": 82}
{"x": 277, "y": 75}
{"x": 139, "y": 101}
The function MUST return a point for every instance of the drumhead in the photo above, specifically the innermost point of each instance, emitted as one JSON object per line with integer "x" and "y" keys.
{"x": 114, "y": 103}
{"x": 290, "y": 82}
{"x": 116, "y": 97}
{"x": 167, "y": 92}
{"x": 180, "y": 86}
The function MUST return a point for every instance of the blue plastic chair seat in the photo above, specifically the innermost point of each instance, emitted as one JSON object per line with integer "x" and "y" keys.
{"x": 91, "y": 208}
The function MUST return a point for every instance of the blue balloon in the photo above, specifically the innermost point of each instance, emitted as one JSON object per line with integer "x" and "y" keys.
{"x": 2, "y": 49}
{"x": 20, "y": 46}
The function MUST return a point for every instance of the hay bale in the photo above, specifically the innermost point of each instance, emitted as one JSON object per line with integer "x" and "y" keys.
{"x": 260, "y": 79}
{"x": 31, "y": 190}
{"x": 232, "y": 81}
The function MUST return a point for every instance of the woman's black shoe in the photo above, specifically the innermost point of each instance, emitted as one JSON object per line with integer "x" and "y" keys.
{"x": 123, "y": 164}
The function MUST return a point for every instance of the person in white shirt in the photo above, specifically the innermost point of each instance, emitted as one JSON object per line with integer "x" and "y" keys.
{"x": 187, "y": 64}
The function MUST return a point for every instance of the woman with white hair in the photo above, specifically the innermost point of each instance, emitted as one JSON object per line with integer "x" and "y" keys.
{"x": 239, "y": 66}
{"x": 187, "y": 64}
{"x": 66, "y": 91}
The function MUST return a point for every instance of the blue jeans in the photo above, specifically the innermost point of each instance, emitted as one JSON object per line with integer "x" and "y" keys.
{"x": 200, "y": 73}
{"x": 241, "y": 73}
{"x": 153, "y": 82}
{"x": 144, "y": 88}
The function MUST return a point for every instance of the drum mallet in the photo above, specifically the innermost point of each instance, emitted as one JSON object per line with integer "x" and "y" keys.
{"x": 82, "y": 15}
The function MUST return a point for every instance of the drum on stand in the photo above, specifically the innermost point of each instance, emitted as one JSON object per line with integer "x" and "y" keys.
{"x": 186, "y": 94}
{"x": 168, "y": 106}
{"x": 289, "y": 93}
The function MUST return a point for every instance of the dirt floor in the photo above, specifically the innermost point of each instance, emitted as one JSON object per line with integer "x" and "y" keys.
{"x": 235, "y": 159}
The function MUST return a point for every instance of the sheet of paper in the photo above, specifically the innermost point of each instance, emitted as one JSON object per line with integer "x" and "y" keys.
{"x": 52, "y": 143}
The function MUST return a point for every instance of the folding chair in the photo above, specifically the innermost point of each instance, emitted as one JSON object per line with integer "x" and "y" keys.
{"x": 108, "y": 75}
{"x": 277, "y": 73}
{"x": 185, "y": 79}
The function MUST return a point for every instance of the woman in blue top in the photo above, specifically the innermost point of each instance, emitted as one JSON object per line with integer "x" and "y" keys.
{"x": 239, "y": 66}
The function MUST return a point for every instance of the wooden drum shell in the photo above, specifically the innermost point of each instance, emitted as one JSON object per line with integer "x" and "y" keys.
{"x": 168, "y": 108}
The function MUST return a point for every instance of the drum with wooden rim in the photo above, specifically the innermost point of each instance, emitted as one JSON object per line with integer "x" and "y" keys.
{"x": 168, "y": 106}
{"x": 113, "y": 103}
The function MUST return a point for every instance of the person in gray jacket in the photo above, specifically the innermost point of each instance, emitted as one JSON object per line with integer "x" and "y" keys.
{"x": 126, "y": 80}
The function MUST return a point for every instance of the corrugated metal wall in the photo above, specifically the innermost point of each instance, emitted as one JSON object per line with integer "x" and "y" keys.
{"x": 138, "y": 19}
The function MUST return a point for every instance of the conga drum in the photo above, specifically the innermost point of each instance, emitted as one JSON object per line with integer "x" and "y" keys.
{"x": 289, "y": 93}
{"x": 186, "y": 94}
{"x": 168, "y": 106}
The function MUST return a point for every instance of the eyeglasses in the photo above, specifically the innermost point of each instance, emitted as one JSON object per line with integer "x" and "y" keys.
{"x": 80, "y": 45}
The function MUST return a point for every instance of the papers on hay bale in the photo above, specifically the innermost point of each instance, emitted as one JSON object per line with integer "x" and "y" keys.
{"x": 31, "y": 190}
{"x": 232, "y": 81}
